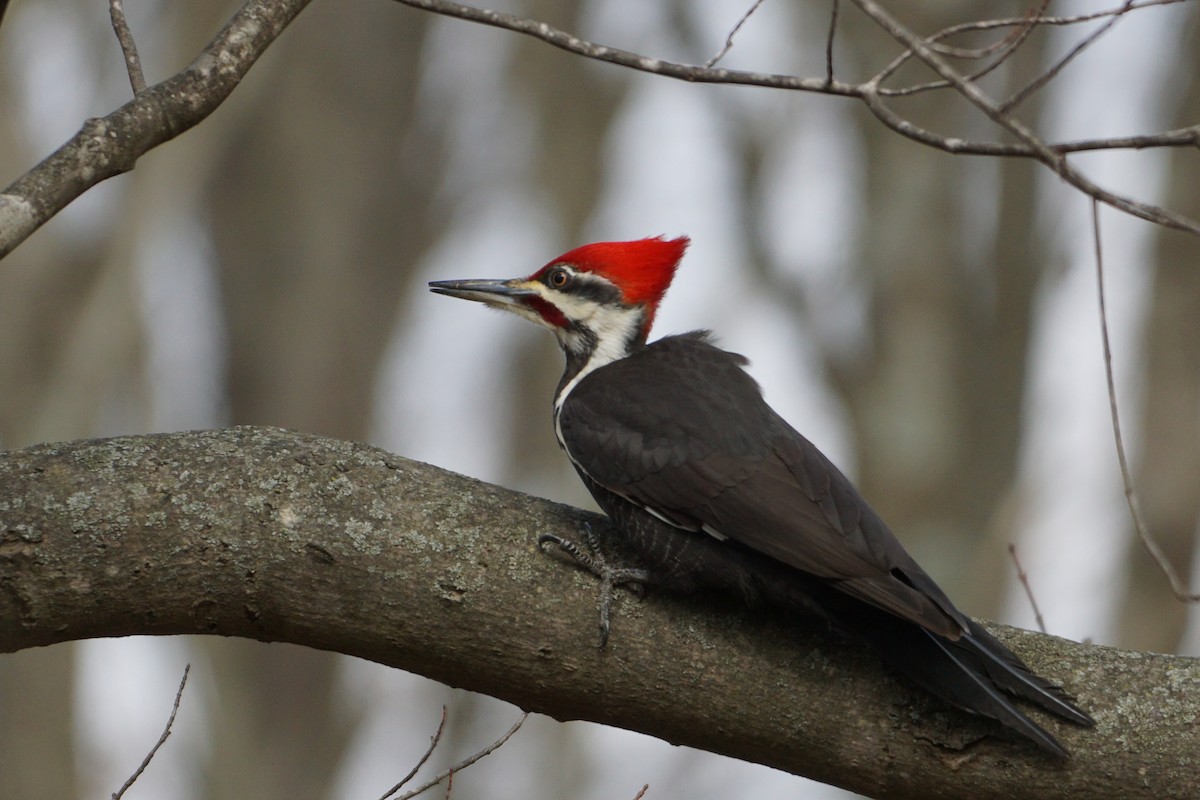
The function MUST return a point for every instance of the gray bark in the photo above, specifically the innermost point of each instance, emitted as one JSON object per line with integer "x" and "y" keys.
{"x": 111, "y": 145}
{"x": 281, "y": 536}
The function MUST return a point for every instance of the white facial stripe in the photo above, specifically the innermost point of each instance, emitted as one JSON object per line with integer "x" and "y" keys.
{"x": 613, "y": 328}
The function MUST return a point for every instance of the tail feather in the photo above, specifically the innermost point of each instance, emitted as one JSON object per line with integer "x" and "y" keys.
{"x": 976, "y": 673}
{"x": 1008, "y": 672}
{"x": 978, "y": 694}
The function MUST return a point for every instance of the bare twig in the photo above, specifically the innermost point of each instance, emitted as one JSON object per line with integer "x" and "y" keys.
{"x": 1039, "y": 149}
{"x": 1019, "y": 32}
{"x": 1175, "y": 138}
{"x": 935, "y": 41}
{"x": 111, "y": 145}
{"x": 729, "y": 39}
{"x": 642, "y": 793}
{"x": 412, "y": 773}
{"x": 161, "y": 739}
{"x": 1178, "y": 588}
{"x": 1029, "y": 146}
{"x": 829, "y": 37}
{"x": 1006, "y": 46}
{"x": 466, "y": 762}
{"x": 1011, "y": 43}
{"x": 1024, "y": 579}
{"x": 133, "y": 64}
{"x": 1037, "y": 83}
{"x": 612, "y": 55}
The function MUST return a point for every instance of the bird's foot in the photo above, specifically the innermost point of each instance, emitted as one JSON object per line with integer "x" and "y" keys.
{"x": 594, "y": 561}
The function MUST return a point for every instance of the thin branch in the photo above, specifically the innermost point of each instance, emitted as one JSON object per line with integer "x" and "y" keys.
{"x": 1006, "y": 46}
{"x": 642, "y": 793}
{"x": 612, "y": 55}
{"x": 1039, "y": 149}
{"x": 111, "y": 145}
{"x": 829, "y": 37}
{"x": 466, "y": 762}
{"x": 1037, "y": 83}
{"x": 935, "y": 41}
{"x": 161, "y": 739}
{"x": 433, "y": 743}
{"x": 1175, "y": 138}
{"x": 954, "y": 145}
{"x": 1024, "y": 579}
{"x": 133, "y": 64}
{"x": 1010, "y": 44}
{"x": 1030, "y": 145}
{"x": 729, "y": 39}
{"x": 1178, "y": 588}
{"x": 1019, "y": 33}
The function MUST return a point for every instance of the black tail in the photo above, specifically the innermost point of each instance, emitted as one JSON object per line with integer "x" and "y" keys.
{"x": 975, "y": 673}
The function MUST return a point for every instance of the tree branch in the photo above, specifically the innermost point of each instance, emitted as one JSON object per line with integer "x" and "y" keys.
{"x": 1178, "y": 587}
{"x": 412, "y": 773}
{"x": 111, "y": 145}
{"x": 281, "y": 536}
{"x": 733, "y": 33}
{"x": 1029, "y": 145}
{"x": 449, "y": 772}
{"x": 1048, "y": 75}
{"x": 623, "y": 58}
{"x": 1038, "y": 149}
{"x": 162, "y": 739}
{"x": 133, "y": 64}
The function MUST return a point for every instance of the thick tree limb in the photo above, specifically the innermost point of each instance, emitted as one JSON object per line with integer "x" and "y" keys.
{"x": 110, "y": 145}
{"x": 281, "y": 536}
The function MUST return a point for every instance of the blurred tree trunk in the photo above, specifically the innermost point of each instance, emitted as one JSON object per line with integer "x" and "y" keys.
{"x": 71, "y": 360}
{"x": 37, "y": 733}
{"x": 570, "y": 104}
{"x": 936, "y": 393}
{"x": 1168, "y": 480}
{"x": 71, "y": 366}
{"x": 317, "y": 219}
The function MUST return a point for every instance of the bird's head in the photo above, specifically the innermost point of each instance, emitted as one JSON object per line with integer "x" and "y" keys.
{"x": 601, "y": 296}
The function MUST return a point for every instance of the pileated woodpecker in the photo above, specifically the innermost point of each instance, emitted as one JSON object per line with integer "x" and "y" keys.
{"x": 715, "y": 490}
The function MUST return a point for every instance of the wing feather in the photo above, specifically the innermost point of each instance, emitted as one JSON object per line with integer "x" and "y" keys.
{"x": 681, "y": 429}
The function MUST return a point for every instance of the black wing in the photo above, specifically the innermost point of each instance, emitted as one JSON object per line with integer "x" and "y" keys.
{"x": 679, "y": 428}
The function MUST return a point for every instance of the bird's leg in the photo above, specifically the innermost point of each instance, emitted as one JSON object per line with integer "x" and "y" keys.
{"x": 595, "y": 562}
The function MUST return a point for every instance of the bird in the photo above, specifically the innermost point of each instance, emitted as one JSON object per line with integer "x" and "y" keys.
{"x": 714, "y": 490}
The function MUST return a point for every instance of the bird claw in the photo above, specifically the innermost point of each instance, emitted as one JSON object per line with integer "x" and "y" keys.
{"x": 595, "y": 562}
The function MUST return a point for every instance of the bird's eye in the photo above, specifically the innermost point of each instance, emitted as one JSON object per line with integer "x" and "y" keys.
{"x": 558, "y": 278}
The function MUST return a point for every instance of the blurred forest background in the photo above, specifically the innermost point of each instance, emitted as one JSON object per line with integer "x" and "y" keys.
{"x": 930, "y": 321}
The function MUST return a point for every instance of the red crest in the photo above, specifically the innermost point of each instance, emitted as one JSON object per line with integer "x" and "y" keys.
{"x": 641, "y": 269}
